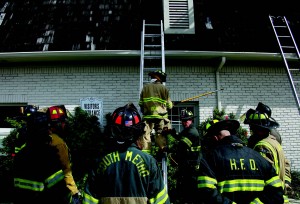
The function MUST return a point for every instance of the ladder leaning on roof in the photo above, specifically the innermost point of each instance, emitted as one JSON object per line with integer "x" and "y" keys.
{"x": 289, "y": 52}
{"x": 152, "y": 51}
{"x": 152, "y": 59}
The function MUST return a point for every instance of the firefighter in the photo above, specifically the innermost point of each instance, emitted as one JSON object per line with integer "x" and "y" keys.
{"x": 124, "y": 173}
{"x": 234, "y": 173}
{"x": 58, "y": 117}
{"x": 42, "y": 169}
{"x": 154, "y": 103}
{"x": 186, "y": 154}
{"x": 261, "y": 123}
{"x": 20, "y": 141}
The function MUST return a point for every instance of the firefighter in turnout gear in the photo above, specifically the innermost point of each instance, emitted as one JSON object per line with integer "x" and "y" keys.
{"x": 261, "y": 124}
{"x": 234, "y": 173}
{"x": 186, "y": 153}
{"x": 154, "y": 103}
{"x": 125, "y": 174}
{"x": 20, "y": 141}
{"x": 44, "y": 161}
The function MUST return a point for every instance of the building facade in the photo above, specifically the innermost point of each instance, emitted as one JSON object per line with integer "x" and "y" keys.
{"x": 62, "y": 51}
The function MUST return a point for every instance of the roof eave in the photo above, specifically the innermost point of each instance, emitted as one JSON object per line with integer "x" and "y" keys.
{"x": 130, "y": 54}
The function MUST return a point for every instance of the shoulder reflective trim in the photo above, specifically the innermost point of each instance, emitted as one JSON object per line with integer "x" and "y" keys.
{"x": 241, "y": 185}
{"x": 161, "y": 197}
{"x": 54, "y": 179}
{"x": 88, "y": 199}
{"x": 206, "y": 182}
{"x": 274, "y": 153}
{"x": 28, "y": 184}
{"x": 186, "y": 141}
{"x": 256, "y": 201}
{"x": 275, "y": 181}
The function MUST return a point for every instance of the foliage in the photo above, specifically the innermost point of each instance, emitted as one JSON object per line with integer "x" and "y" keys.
{"x": 295, "y": 193}
{"x": 85, "y": 141}
{"x": 221, "y": 115}
{"x": 6, "y": 161}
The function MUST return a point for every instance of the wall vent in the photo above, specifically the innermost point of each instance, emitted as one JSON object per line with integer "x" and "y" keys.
{"x": 179, "y": 17}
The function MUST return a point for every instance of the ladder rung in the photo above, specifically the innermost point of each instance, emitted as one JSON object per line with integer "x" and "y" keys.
{"x": 280, "y": 26}
{"x": 294, "y": 69}
{"x": 150, "y": 24}
{"x": 152, "y": 35}
{"x": 284, "y": 36}
{"x": 152, "y": 46}
{"x": 287, "y": 46}
{"x": 151, "y": 68}
{"x": 152, "y": 57}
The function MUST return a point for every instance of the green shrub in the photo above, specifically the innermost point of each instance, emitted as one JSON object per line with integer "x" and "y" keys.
{"x": 295, "y": 193}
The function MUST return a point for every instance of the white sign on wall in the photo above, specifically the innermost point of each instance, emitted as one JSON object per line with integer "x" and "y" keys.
{"x": 94, "y": 106}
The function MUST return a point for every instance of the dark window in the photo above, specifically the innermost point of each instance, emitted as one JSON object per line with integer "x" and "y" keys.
{"x": 9, "y": 111}
{"x": 174, "y": 114}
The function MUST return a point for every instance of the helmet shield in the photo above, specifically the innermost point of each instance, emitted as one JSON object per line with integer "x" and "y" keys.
{"x": 127, "y": 124}
{"x": 57, "y": 113}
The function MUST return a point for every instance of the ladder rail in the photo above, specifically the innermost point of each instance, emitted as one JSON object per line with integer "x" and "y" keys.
{"x": 294, "y": 89}
{"x": 153, "y": 52}
{"x": 152, "y": 55}
{"x": 142, "y": 56}
{"x": 292, "y": 37}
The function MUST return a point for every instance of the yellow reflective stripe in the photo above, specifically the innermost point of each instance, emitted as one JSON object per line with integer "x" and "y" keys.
{"x": 154, "y": 99}
{"x": 161, "y": 197}
{"x": 88, "y": 199}
{"x": 28, "y": 184}
{"x": 275, "y": 181}
{"x": 206, "y": 182}
{"x": 256, "y": 201}
{"x": 155, "y": 116}
{"x": 274, "y": 153}
{"x": 286, "y": 199}
{"x": 186, "y": 141}
{"x": 196, "y": 149}
{"x": 241, "y": 185}
{"x": 288, "y": 179}
{"x": 146, "y": 151}
{"x": 17, "y": 149}
{"x": 54, "y": 178}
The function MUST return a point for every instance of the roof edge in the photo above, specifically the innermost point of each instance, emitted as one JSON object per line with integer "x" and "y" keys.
{"x": 130, "y": 54}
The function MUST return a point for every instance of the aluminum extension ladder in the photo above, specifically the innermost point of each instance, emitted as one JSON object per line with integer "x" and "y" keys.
{"x": 152, "y": 51}
{"x": 289, "y": 52}
{"x": 152, "y": 59}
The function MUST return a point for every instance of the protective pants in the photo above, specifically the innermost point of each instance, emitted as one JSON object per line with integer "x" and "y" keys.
{"x": 158, "y": 125}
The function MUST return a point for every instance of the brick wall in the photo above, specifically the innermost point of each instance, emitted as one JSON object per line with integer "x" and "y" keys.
{"x": 244, "y": 86}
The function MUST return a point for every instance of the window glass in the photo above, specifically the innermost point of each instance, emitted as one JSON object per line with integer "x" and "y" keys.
{"x": 174, "y": 114}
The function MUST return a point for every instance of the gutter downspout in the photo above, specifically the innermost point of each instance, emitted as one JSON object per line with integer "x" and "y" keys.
{"x": 223, "y": 60}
